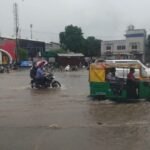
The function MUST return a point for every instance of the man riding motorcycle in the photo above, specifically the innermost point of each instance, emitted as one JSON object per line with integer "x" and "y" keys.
{"x": 40, "y": 73}
{"x": 37, "y": 74}
{"x": 41, "y": 79}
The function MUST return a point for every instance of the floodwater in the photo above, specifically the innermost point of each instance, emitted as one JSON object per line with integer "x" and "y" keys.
{"x": 66, "y": 118}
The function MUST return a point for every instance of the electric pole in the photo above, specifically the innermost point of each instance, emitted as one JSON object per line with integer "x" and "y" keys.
{"x": 16, "y": 21}
{"x": 31, "y": 29}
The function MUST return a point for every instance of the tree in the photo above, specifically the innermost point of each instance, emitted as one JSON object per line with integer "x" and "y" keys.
{"x": 22, "y": 54}
{"x": 147, "y": 51}
{"x": 92, "y": 46}
{"x": 61, "y": 50}
{"x": 72, "y": 38}
{"x": 148, "y": 42}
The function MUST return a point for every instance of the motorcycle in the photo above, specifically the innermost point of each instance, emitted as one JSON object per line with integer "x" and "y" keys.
{"x": 47, "y": 81}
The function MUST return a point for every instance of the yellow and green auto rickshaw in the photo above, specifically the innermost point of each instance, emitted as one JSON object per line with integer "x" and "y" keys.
{"x": 119, "y": 89}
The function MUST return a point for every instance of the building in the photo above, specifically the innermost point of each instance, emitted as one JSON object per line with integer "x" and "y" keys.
{"x": 33, "y": 48}
{"x": 8, "y": 49}
{"x": 147, "y": 52}
{"x": 72, "y": 59}
{"x": 114, "y": 49}
{"x": 52, "y": 46}
{"x": 133, "y": 46}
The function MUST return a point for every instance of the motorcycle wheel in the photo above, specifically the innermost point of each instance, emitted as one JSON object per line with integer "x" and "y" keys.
{"x": 33, "y": 85}
{"x": 56, "y": 84}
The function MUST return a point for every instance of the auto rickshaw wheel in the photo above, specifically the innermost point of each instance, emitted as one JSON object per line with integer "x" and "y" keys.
{"x": 148, "y": 99}
{"x": 101, "y": 97}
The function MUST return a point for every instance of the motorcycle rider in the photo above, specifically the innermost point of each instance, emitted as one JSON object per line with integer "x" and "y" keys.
{"x": 40, "y": 75}
{"x": 33, "y": 71}
{"x": 43, "y": 79}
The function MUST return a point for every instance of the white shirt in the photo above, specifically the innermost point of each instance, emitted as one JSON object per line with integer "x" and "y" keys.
{"x": 110, "y": 77}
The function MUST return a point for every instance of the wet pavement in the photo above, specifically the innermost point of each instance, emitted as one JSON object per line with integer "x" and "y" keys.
{"x": 66, "y": 118}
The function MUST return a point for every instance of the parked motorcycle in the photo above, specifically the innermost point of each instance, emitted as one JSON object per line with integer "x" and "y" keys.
{"x": 1, "y": 69}
{"x": 48, "y": 81}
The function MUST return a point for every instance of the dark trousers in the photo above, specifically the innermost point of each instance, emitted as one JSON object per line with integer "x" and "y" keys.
{"x": 132, "y": 87}
{"x": 41, "y": 80}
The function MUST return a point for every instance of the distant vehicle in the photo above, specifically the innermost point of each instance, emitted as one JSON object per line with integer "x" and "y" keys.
{"x": 145, "y": 70}
{"x": 1, "y": 69}
{"x": 26, "y": 64}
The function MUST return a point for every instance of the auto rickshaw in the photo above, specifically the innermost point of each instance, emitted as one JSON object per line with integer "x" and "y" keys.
{"x": 119, "y": 90}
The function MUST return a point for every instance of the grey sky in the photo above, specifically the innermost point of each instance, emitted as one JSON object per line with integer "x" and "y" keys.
{"x": 104, "y": 19}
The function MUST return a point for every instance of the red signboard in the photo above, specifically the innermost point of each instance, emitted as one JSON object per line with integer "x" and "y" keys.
{"x": 9, "y": 46}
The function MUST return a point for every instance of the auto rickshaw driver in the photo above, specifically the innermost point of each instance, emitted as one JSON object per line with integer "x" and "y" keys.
{"x": 111, "y": 75}
{"x": 132, "y": 84}
{"x": 115, "y": 85}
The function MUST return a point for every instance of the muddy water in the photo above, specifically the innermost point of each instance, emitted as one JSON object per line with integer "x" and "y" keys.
{"x": 66, "y": 118}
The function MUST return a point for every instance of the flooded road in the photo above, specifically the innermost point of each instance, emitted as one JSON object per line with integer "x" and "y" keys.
{"x": 66, "y": 118}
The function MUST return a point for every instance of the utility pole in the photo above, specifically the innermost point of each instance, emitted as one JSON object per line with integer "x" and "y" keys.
{"x": 31, "y": 29}
{"x": 16, "y": 21}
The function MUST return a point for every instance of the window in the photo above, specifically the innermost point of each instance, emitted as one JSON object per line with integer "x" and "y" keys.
{"x": 121, "y": 47}
{"x": 134, "y": 46}
{"x": 108, "y": 47}
{"x": 118, "y": 47}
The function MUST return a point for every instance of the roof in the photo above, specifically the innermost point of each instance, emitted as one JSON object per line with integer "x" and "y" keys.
{"x": 54, "y": 43}
{"x": 12, "y": 38}
{"x": 128, "y": 61}
{"x": 71, "y": 55}
{"x": 113, "y": 65}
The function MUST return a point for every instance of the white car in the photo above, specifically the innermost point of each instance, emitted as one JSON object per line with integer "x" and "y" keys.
{"x": 121, "y": 72}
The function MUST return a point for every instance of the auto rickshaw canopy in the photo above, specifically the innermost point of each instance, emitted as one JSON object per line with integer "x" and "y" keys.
{"x": 97, "y": 71}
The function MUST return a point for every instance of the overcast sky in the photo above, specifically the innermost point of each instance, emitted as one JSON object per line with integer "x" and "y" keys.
{"x": 104, "y": 19}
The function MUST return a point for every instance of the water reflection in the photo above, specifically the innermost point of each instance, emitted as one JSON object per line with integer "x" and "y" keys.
{"x": 121, "y": 126}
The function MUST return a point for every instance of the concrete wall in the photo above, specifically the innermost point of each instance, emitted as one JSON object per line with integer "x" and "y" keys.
{"x": 114, "y": 46}
{"x": 52, "y": 46}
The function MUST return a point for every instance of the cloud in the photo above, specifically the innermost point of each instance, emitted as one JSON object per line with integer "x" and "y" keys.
{"x": 103, "y": 19}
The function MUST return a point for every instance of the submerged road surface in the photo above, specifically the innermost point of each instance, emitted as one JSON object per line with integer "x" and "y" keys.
{"x": 66, "y": 119}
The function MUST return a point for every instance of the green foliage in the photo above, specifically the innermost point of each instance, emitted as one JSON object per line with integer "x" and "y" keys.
{"x": 71, "y": 39}
{"x": 92, "y": 46}
{"x": 49, "y": 54}
{"x": 61, "y": 50}
{"x": 148, "y": 42}
{"x": 22, "y": 54}
{"x": 147, "y": 51}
